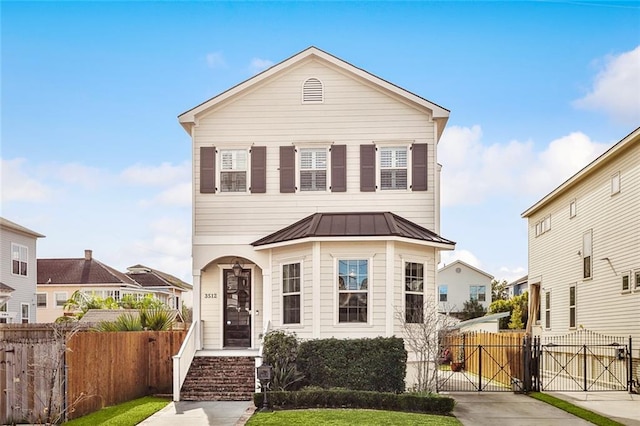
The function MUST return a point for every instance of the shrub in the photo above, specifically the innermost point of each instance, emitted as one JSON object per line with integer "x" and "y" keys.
{"x": 280, "y": 351}
{"x": 377, "y": 364}
{"x": 331, "y": 398}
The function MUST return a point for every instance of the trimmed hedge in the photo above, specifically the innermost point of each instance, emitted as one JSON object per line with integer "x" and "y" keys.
{"x": 328, "y": 398}
{"x": 377, "y": 364}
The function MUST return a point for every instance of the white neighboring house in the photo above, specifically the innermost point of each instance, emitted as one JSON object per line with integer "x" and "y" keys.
{"x": 316, "y": 205}
{"x": 584, "y": 248}
{"x": 17, "y": 273}
{"x": 459, "y": 282}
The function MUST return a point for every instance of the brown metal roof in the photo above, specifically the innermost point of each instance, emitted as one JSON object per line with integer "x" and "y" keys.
{"x": 79, "y": 271}
{"x": 373, "y": 224}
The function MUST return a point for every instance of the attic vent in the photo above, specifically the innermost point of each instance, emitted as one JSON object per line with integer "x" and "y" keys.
{"x": 312, "y": 91}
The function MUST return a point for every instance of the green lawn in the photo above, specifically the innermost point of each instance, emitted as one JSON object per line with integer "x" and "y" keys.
{"x": 338, "y": 417}
{"x": 126, "y": 414}
{"x": 590, "y": 416}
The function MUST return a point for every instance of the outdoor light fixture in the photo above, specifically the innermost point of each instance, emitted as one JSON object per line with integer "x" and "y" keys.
{"x": 237, "y": 268}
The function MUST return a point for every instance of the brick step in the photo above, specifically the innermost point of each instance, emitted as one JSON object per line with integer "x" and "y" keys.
{"x": 220, "y": 379}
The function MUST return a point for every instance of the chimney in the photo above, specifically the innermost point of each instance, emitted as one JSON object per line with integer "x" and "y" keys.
{"x": 87, "y": 254}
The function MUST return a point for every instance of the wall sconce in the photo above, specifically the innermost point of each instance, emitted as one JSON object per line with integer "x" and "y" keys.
{"x": 579, "y": 253}
{"x": 237, "y": 268}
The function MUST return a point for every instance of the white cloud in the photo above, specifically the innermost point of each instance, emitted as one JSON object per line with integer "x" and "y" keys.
{"x": 18, "y": 185}
{"x": 474, "y": 172}
{"x": 616, "y": 88}
{"x": 77, "y": 174}
{"x": 215, "y": 60}
{"x": 162, "y": 175}
{"x": 509, "y": 275}
{"x": 258, "y": 65}
{"x": 464, "y": 255}
{"x": 176, "y": 195}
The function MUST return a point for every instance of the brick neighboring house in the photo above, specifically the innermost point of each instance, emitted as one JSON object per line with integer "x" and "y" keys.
{"x": 17, "y": 273}
{"x": 58, "y": 279}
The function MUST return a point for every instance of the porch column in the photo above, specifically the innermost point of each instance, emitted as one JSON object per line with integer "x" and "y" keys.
{"x": 315, "y": 313}
{"x": 390, "y": 286}
{"x": 266, "y": 297}
{"x": 196, "y": 309}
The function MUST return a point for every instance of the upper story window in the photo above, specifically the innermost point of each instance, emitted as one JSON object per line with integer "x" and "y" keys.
{"x": 543, "y": 226}
{"x": 313, "y": 169}
{"x": 414, "y": 292}
{"x": 393, "y": 168}
{"x": 478, "y": 292}
{"x": 573, "y": 208}
{"x": 41, "y": 300}
{"x": 233, "y": 170}
{"x": 587, "y": 264}
{"x": 353, "y": 290}
{"x": 19, "y": 259}
{"x": 626, "y": 281}
{"x": 615, "y": 183}
{"x": 312, "y": 91}
{"x": 443, "y": 293}
{"x": 291, "y": 287}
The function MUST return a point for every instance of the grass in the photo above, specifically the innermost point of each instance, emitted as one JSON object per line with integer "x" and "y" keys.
{"x": 129, "y": 413}
{"x": 590, "y": 416}
{"x": 339, "y": 417}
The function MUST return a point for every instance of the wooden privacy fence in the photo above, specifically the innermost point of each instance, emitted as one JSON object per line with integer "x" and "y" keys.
{"x": 78, "y": 373}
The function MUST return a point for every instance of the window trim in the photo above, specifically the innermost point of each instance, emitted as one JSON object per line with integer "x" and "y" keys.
{"x": 406, "y": 292}
{"x": 573, "y": 309}
{"x": 337, "y": 290}
{"x": 46, "y": 300}
{"x": 628, "y": 276}
{"x": 22, "y": 317}
{"x": 409, "y": 161}
{"x": 20, "y": 248}
{"x": 219, "y": 171}
{"x": 55, "y": 299}
{"x": 446, "y": 293}
{"x": 615, "y": 183}
{"x": 573, "y": 208}
{"x": 326, "y": 146}
{"x": 543, "y": 225}
{"x": 478, "y": 286}
{"x": 298, "y": 293}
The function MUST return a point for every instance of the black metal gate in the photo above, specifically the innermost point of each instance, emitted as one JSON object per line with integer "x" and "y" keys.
{"x": 493, "y": 362}
{"x": 583, "y": 361}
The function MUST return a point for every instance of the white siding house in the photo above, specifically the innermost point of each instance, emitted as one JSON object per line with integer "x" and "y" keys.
{"x": 319, "y": 182}
{"x": 459, "y": 282}
{"x": 18, "y": 273}
{"x": 584, "y": 248}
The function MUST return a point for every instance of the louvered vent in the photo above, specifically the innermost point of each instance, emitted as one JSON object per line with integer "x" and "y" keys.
{"x": 312, "y": 91}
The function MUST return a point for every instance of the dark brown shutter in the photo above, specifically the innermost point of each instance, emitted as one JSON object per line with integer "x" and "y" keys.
{"x": 258, "y": 169}
{"x": 207, "y": 169}
{"x": 419, "y": 167}
{"x": 367, "y": 168}
{"x": 287, "y": 169}
{"x": 338, "y": 168}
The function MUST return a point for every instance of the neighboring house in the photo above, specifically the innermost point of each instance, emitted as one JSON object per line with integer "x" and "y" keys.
{"x": 517, "y": 287}
{"x": 17, "y": 273}
{"x": 167, "y": 288}
{"x": 459, "y": 282}
{"x": 316, "y": 205}
{"x": 584, "y": 248}
{"x": 487, "y": 324}
{"x": 58, "y": 279}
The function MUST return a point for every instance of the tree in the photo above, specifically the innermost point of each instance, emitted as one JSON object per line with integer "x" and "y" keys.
{"x": 521, "y": 302}
{"x": 499, "y": 290}
{"x": 472, "y": 309}
{"x": 498, "y": 306}
{"x": 516, "y": 318}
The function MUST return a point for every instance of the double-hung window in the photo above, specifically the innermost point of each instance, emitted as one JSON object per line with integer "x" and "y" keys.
{"x": 547, "y": 310}
{"x": 626, "y": 281}
{"x": 60, "y": 299}
{"x": 41, "y": 300}
{"x": 587, "y": 264}
{"x": 572, "y": 306}
{"x": 313, "y": 169}
{"x": 443, "y": 293}
{"x": 393, "y": 168}
{"x": 19, "y": 257}
{"x": 291, "y": 280}
{"x": 353, "y": 290}
{"x": 478, "y": 292}
{"x": 24, "y": 310}
{"x": 414, "y": 292}
{"x": 233, "y": 170}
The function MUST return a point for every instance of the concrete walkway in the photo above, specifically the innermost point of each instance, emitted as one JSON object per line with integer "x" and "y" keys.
{"x": 196, "y": 413}
{"x": 622, "y": 407}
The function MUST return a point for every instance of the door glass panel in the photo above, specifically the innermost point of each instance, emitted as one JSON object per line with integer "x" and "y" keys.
{"x": 237, "y": 329}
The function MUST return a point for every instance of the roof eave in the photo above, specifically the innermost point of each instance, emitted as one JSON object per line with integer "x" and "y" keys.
{"x": 441, "y": 246}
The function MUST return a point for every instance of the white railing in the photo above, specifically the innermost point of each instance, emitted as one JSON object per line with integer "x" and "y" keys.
{"x": 182, "y": 361}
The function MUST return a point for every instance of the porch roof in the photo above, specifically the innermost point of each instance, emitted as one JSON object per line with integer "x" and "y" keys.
{"x": 5, "y": 288}
{"x": 353, "y": 225}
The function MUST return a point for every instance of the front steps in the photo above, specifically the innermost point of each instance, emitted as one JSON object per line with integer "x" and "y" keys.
{"x": 220, "y": 378}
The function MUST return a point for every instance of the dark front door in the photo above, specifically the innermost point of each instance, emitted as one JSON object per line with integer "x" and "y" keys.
{"x": 237, "y": 309}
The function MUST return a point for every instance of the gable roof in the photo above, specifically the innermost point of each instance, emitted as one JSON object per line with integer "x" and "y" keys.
{"x": 360, "y": 225}
{"x": 188, "y": 118}
{"x": 628, "y": 142}
{"x": 80, "y": 271}
{"x": 149, "y": 277}
{"x": 7, "y": 224}
{"x": 466, "y": 265}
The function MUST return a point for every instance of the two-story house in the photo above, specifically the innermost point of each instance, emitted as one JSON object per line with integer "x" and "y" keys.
{"x": 584, "y": 248}
{"x": 459, "y": 282}
{"x": 17, "y": 273}
{"x": 315, "y": 205}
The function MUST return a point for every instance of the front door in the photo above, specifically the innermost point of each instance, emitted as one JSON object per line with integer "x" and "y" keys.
{"x": 237, "y": 309}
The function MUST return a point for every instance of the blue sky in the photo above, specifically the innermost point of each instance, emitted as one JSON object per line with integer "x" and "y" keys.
{"x": 94, "y": 158}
